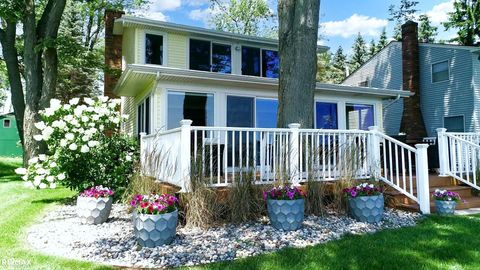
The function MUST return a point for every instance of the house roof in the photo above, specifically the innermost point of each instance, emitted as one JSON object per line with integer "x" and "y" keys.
{"x": 138, "y": 22}
{"x": 137, "y": 76}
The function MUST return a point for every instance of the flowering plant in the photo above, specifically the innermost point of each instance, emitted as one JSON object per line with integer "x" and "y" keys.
{"x": 445, "y": 195}
{"x": 154, "y": 204}
{"x": 364, "y": 189}
{"x": 80, "y": 154}
{"x": 97, "y": 192}
{"x": 283, "y": 193}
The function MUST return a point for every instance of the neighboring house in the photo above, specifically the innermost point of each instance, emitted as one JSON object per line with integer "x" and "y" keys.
{"x": 171, "y": 72}
{"x": 9, "y": 139}
{"x": 448, "y": 77}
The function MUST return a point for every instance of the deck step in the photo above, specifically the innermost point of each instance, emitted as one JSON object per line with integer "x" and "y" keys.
{"x": 471, "y": 202}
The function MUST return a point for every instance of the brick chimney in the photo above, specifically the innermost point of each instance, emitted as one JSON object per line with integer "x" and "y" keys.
{"x": 412, "y": 120}
{"x": 113, "y": 53}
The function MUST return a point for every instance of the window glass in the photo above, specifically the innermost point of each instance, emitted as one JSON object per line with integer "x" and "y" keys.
{"x": 153, "y": 49}
{"x": 240, "y": 111}
{"x": 326, "y": 115}
{"x": 6, "y": 123}
{"x": 197, "y": 107}
{"x": 250, "y": 61}
{"x": 266, "y": 113}
{"x": 199, "y": 55}
{"x": 143, "y": 116}
{"x": 454, "y": 123}
{"x": 440, "y": 72}
{"x": 221, "y": 58}
{"x": 270, "y": 64}
{"x": 359, "y": 116}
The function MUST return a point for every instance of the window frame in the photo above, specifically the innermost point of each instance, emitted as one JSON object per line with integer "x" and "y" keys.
{"x": 360, "y": 103}
{"x": 448, "y": 69}
{"x": 151, "y": 108}
{"x": 212, "y": 41}
{"x": 9, "y": 121}
{"x": 326, "y": 101}
{"x": 201, "y": 91}
{"x": 261, "y": 48}
{"x": 165, "y": 47}
{"x": 255, "y": 97}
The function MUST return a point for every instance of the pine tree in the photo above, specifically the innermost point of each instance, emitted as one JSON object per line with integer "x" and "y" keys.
{"x": 372, "y": 49}
{"x": 382, "y": 42}
{"x": 339, "y": 63}
{"x": 397, "y": 32}
{"x": 426, "y": 32}
{"x": 360, "y": 53}
{"x": 466, "y": 19}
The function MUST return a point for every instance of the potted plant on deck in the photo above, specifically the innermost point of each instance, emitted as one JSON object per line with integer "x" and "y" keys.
{"x": 155, "y": 219}
{"x": 94, "y": 205}
{"x": 365, "y": 202}
{"x": 286, "y": 207}
{"x": 445, "y": 201}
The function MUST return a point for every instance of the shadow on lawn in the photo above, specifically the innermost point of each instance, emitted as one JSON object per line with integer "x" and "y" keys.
{"x": 7, "y": 169}
{"x": 67, "y": 200}
{"x": 436, "y": 243}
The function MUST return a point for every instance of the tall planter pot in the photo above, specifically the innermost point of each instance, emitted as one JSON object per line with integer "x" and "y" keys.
{"x": 94, "y": 210}
{"x": 445, "y": 207}
{"x": 286, "y": 215}
{"x": 155, "y": 230}
{"x": 367, "y": 208}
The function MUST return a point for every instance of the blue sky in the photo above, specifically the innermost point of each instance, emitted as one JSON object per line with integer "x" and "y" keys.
{"x": 341, "y": 20}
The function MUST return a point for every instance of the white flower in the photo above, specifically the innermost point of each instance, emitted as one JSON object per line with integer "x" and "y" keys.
{"x": 25, "y": 177}
{"x": 38, "y": 137}
{"x": 84, "y": 149}
{"x": 42, "y": 157}
{"x": 21, "y": 171}
{"x": 89, "y": 101}
{"x": 61, "y": 176}
{"x": 47, "y": 131}
{"x": 28, "y": 184}
{"x": 33, "y": 160}
{"x": 68, "y": 117}
{"x": 128, "y": 158}
{"x": 50, "y": 178}
{"x": 85, "y": 119}
{"x": 370, "y": 186}
{"x": 67, "y": 106}
{"x": 55, "y": 104}
{"x": 74, "y": 101}
{"x": 103, "y": 98}
{"x": 92, "y": 143}
{"x": 95, "y": 117}
{"x": 63, "y": 142}
{"x": 42, "y": 186}
{"x": 40, "y": 125}
{"x": 69, "y": 136}
{"x": 48, "y": 112}
{"x": 73, "y": 146}
{"x": 85, "y": 138}
{"x": 125, "y": 116}
{"x": 112, "y": 105}
{"x": 53, "y": 185}
{"x": 37, "y": 180}
{"x": 40, "y": 171}
{"x": 117, "y": 101}
{"x": 116, "y": 120}
{"x": 53, "y": 164}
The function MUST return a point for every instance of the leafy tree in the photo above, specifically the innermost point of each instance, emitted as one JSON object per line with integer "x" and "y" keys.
{"x": 372, "y": 49}
{"x": 397, "y": 32}
{"x": 400, "y": 14}
{"x": 466, "y": 19}
{"x": 248, "y": 17}
{"x": 298, "y": 34}
{"x": 327, "y": 72}
{"x": 360, "y": 53}
{"x": 382, "y": 41}
{"x": 426, "y": 32}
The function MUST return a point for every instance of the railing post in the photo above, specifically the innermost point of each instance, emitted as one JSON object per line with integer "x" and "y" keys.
{"x": 443, "y": 155}
{"x": 142, "y": 152}
{"x": 374, "y": 151}
{"x": 185, "y": 154}
{"x": 294, "y": 154}
{"x": 423, "y": 186}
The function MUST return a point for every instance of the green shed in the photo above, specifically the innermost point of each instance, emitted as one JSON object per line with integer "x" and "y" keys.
{"x": 9, "y": 140}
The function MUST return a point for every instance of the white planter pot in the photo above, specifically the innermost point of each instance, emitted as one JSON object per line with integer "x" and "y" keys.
{"x": 93, "y": 210}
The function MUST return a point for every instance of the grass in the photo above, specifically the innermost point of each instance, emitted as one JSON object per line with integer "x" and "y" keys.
{"x": 436, "y": 243}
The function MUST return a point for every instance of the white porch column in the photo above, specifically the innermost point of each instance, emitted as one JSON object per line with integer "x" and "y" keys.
{"x": 423, "y": 186}
{"x": 443, "y": 156}
{"x": 373, "y": 151}
{"x": 185, "y": 154}
{"x": 294, "y": 168}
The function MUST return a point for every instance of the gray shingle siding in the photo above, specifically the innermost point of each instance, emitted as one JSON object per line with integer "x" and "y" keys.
{"x": 458, "y": 96}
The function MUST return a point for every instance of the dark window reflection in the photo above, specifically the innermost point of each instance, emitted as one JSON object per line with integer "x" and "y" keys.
{"x": 250, "y": 61}
{"x": 326, "y": 115}
{"x": 199, "y": 55}
{"x": 197, "y": 107}
{"x": 270, "y": 64}
{"x": 153, "y": 49}
{"x": 221, "y": 58}
{"x": 359, "y": 116}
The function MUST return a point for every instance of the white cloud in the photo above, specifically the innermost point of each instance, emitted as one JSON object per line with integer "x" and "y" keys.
{"x": 159, "y": 16}
{"x": 369, "y": 26}
{"x": 164, "y": 5}
{"x": 197, "y": 3}
{"x": 203, "y": 14}
{"x": 439, "y": 13}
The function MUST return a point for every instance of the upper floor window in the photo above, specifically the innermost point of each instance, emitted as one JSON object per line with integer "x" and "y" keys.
{"x": 209, "y": 56}
{"x": 6, "y": 123}
{"x": 153, "y": 49}
{"x": 440, "y": 71}
{"x": 260, "y": 62}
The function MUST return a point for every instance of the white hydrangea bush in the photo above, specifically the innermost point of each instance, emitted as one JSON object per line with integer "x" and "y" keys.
{"x": 71, "y": 131}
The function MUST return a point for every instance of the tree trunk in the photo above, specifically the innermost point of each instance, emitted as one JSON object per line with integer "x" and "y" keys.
{"x": 298, "y": 34}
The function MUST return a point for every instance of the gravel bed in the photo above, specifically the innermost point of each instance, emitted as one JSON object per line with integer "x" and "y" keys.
{"x": 60, "y": 233}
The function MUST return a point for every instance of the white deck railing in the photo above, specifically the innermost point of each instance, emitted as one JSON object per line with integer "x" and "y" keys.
{"x": 459, "y": 156}
{"x": 268, "y": 155}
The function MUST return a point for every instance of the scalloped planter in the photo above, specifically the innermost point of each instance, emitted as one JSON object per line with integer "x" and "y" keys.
{"x": 286, "y": 215}
{"x": 94, "y": 210}
{"x": 155, "y": 230}
{"x": 445, "y": 207}
{"x": 367, "y": 208}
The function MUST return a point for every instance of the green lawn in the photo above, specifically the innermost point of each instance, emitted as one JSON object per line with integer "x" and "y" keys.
{"x": 436, "y": 243}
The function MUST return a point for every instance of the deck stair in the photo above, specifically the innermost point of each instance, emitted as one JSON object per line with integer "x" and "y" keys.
{"x": 468, "y": 194}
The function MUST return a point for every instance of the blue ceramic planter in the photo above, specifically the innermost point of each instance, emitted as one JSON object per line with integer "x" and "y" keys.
{"x": 286, "y": 215}
{"x": 367, "y": 208}
{"x": 155, "y": 230}
{"x": 445, "y": 207}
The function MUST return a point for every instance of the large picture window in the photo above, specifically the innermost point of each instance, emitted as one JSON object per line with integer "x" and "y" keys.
{"x": 326, "y": 115}
{"x": 197, "y": 107}
{"x": 266, "y": 113}
{"x": 153, "y": 49}
{"x": 260, "y": 62}
{"x": 143, "y": 116}
{"x": 440, "y": 72}
{"x": 359, "y": 116}
{"x": 208, "y": 56}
